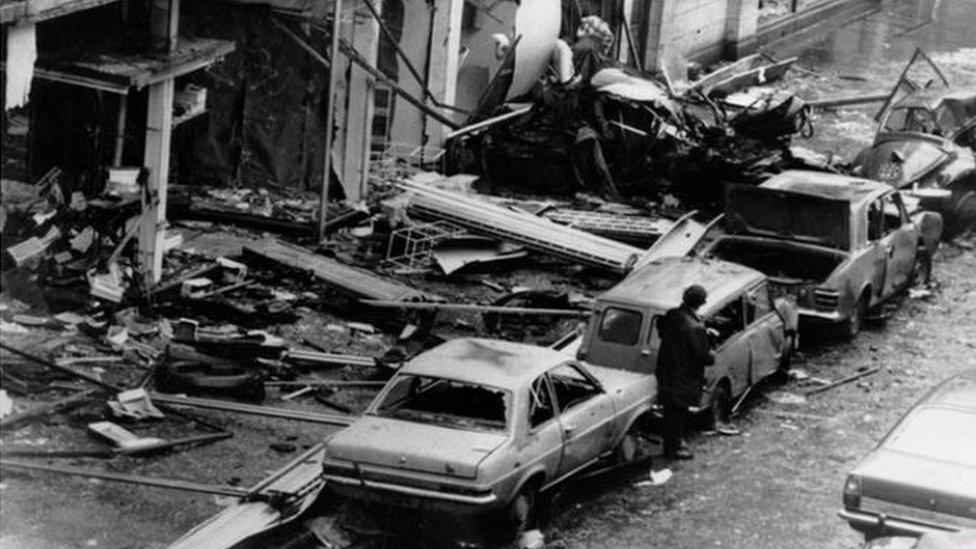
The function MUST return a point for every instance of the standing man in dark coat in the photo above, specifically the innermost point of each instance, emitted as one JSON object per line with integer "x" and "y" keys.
{"x": 681, "y": 361}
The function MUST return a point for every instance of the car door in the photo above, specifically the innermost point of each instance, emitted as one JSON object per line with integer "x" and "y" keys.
{"x": 614, "y": 338}
{"x": 586, "y": 415}
{"x": 731, "y": 342}
{"x": 900, "y": 243}
{"x": 765, "y": 332}
{"x": 544, "y": 440}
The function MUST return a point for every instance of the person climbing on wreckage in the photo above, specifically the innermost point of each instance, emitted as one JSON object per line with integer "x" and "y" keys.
{"x": 578, "y": 106}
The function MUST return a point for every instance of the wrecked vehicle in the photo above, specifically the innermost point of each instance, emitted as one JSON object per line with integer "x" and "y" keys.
{"x": 921, "y": 477}
{"x": 925, "y": 147}
{"x": 840, "y": 245}
{"x": 753, "y": 334}
{"x": 477, "y": 426}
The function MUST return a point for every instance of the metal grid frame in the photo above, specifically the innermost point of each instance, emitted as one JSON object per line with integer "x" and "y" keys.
{"x": 414, "y": 245}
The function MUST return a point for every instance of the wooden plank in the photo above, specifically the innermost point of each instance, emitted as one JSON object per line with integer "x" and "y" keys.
{"x": 122, "y": 70}
{"x": 351, "y": 279}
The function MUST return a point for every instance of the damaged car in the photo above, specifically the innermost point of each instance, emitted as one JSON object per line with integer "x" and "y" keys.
{"x": 925, "y": 147}
{"x": 483, "y": 427}
{"x": 840, "y": 245}
{"x": 921, "y": 478}
{"x": 753, "y": 334}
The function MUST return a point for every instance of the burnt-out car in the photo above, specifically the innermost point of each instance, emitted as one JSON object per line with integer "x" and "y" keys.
{"x": 482, "y": 427}
{"x": 925, "y": 148}
{"x": 921, "y": 477}
{"x": 753, "y": 334}
{"x": 840, "y": 245}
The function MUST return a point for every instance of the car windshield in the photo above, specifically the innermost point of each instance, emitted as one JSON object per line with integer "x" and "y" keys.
{"x": 446, "y": 402}
{"x": 940, "y": 433}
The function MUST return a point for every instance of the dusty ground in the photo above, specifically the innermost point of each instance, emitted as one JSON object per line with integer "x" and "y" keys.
{"x": 776, "y": 485}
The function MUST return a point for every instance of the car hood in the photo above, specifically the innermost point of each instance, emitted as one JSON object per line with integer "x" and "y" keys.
{"x": 413, "y": 446}
{"x": 919, "y": 482}
{"x": 919, "y": 157}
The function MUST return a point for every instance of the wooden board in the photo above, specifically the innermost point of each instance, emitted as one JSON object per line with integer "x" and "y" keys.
{"x": 122, "y": 71}
{"x": 354, "y": 280}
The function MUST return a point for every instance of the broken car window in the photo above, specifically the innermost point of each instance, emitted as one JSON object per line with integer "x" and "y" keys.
{"x": 541, "y": 409}
{"x": 447, "y": 402}
{"x": 571, "y": 386}
{"x": 620, "y": 326}
{"x": 727, "y": 322}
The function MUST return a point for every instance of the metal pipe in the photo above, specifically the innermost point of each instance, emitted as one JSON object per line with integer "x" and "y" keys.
{"x": 329, "y": 119}
{"x": 173, "y": 484}
{"x": 81, "y": 375}
{"x": 428, "y": 306}
{"x": 226, "y": 406}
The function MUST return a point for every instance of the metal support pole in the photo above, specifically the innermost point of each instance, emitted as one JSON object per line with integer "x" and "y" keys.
{"x": 329, "y": 118}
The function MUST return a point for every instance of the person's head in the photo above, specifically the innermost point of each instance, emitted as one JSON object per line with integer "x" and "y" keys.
{"x": 593, "y": 27}
{"x": 694, "y": 297}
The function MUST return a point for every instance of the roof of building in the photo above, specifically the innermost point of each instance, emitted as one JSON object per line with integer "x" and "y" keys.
{"x": 502, "y": 364}
{"x": 661, "y": 283}
{"x": 827, "y": 185}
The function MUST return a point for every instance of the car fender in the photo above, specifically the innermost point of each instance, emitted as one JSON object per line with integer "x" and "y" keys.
{"x": 789, "y": 313}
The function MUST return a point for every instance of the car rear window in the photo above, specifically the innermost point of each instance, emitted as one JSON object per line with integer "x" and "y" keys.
{"x": 447, "y": 402}
{"x": 940, "y": 433}
{"x": 620, "y": 326}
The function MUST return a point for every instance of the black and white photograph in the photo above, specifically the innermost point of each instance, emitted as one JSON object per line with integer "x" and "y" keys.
{"x": 488, "y": 274}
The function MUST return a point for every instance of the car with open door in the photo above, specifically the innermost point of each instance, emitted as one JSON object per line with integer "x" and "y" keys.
{"x": 921, "y": 477}
{"x": 839, "y": 245}
{"x": 483, "y": 427}
{"x": 753, "y": 334}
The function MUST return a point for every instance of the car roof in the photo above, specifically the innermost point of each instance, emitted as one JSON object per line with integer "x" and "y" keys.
{"x": 827, "y": 185}
{"x": 659, "y": 284}
{"x": 958, "y": 392}
{"x": 501, "y": 364}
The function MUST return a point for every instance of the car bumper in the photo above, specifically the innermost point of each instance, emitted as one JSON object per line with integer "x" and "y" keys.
{"x": 411, "y": 497}
{"x": 874, "y": 524}
{"x": 815, "y": 316}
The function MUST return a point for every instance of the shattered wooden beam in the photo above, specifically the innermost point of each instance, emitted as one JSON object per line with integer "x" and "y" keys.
{"x": 533, "y": 232}
{"x": 351, "y": 279}
{"x": 620, "y": 227}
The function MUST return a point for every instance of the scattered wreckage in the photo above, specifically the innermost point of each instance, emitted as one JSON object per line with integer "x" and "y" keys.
{"x": 925, "y": 147}
{"x": 478, "y": 426}
{"x": 753, "y": 335}
{"x": 921, "y": 477}
{"x": 839, "y": 245}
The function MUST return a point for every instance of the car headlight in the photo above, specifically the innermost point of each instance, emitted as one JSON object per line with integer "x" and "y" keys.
{"x": 852, "y": 492}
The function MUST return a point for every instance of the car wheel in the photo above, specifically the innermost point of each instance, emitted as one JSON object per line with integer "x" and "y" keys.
{"x": 719, "y": 406}
{"x": 855, "y": 322}
{"x": 520, "y": 513}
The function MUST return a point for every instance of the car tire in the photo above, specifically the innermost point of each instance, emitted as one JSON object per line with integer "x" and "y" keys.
{"x": 855, "y": 323}
{"x": 719, "y": 406}
{"x": 521, "y": 510}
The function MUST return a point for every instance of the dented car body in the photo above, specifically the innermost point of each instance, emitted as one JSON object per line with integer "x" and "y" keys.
{"x": 921, "y": 478}
{"x": 470, "y": 425}
{"x": 839, "y": 245}
{"x": 925, "y": 147}
{"x": 753, "y": 334}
